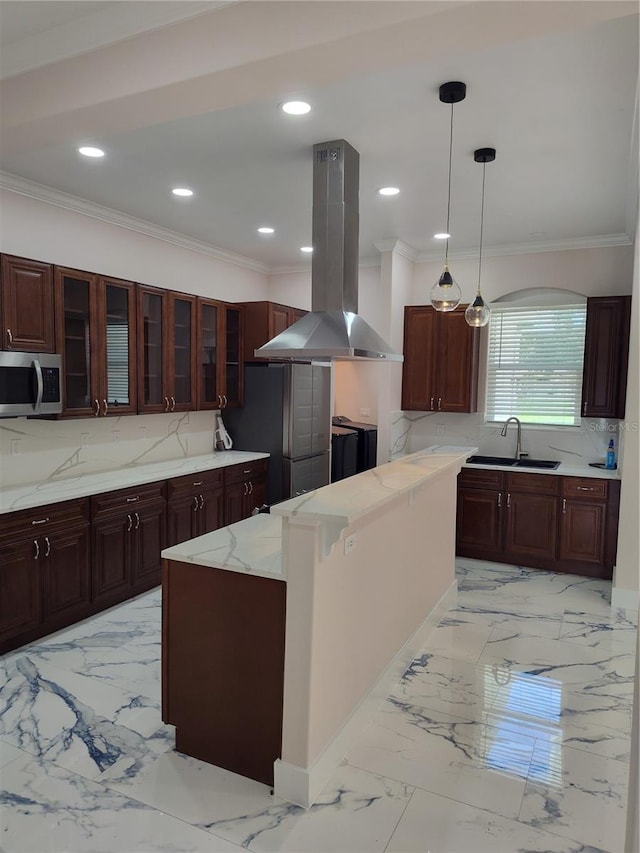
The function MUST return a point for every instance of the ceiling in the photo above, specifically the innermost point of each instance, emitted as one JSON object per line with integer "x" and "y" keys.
{"x": 188, "y": 93}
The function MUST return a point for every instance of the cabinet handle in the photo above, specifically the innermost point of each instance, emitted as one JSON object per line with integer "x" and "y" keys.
{"x": 584, "y": 408}
{"x": 431, "y": 404}
{"x": 137, "y": 520}
{"x": 48, "y": 551}
{"x": 439, "y": 404}
{"x": 246, "y": 488}
{"x": 585, "y": 488}
{"x": 508, "y": 500}
{"x": 201, "y": 502}
{"x": 40, "y": 521}
{"x": 247, "y": 471}
{"x": 37, "y": 547}
{"x": 96, "y": 403}
{"x": 219, "y": 401}
{"x": 133, "y": 500}
{"x": 106, "y": 408}
{"x": 130, "y": 523}
{"x": 564, "y": 505}
{"x": 195, "y": 503}
{"x": 173, "y": 403}
{"x": 499, "y": 500}
{"x": 9, "y": 338}
{"x": 224, "y": 404}
{"x": 197, "y": 483}
{"x": 250, "y": 487}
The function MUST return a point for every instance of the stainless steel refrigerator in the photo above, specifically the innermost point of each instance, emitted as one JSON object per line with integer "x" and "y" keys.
{"x": 286, "y": 413}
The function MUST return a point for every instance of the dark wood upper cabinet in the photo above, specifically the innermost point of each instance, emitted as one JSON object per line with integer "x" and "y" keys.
{"x": 219, "y": 354}
{"x": 95, "y": 335}
{"x": 27, "y": 305}
{"x": 263, "y": 321}
{"x": 606, "y": 355}
{"x": 440, "y": 369}
{"x": 166, "y": 350}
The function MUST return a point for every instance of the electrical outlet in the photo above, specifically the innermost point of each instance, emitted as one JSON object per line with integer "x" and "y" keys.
{"x": 15, "y": 447}
{"x": 84, "y": 438}
{"x": 439, "y": 429}
{"x": 116, "y": 435}
{"x": 349, "y": 543}
{"x": 365, "y": 412}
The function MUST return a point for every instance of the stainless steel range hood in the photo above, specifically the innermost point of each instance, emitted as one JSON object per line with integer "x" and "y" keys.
{"x": 333, "y": 329}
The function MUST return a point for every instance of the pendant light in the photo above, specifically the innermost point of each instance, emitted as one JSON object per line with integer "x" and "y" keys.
{"x": 445, "y": 293}
{"x": 478, "y": 313}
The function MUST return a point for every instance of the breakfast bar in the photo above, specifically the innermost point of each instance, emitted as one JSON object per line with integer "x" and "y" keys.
{"x": 283, "y": 632}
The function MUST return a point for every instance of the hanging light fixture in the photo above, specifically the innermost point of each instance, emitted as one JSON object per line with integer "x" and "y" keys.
{"x": 445, "y": 293}
{"x": 478, "y": 313}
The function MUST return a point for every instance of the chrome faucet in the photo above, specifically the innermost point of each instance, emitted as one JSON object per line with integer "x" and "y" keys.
{"x": 503, "y": 432}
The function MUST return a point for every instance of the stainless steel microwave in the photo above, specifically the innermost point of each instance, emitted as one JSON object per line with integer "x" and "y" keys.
{"x": 30, "y": 384}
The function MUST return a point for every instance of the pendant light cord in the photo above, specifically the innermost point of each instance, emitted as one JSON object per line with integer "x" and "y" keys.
{"x": 484, "y": 166}
{"x": 446, "y": 252}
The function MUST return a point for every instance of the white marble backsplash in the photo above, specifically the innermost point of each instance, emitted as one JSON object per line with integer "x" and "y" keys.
{"x": 57, "y": 450}
{"x": 413, "y": 431}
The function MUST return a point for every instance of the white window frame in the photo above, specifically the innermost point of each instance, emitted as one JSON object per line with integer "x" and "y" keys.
{"x": 548, "y": 378}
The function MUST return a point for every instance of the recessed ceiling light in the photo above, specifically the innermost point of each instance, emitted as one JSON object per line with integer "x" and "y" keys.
{"x": 296, "y": 108}
{"x": 388, "y": 191}
{"x": 443, "y": 236}
{"x": 183, "y": 192}
{"x": 266, "y": 230}
{"x": 88, "y": 151}
{"x": 306, "y": 248}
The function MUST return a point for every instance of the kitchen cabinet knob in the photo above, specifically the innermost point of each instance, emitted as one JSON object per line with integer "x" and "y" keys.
{"x": 40, "y": 521}
{"x": 137, "y": 520}
{"x": 564, "y": 505}
{"x": 105, "y": 408}
{"x": 195, "y": 503}
{"x": 431, "y": 404}
{"x": 96, "y": 403}
{"x": 508, "y": 500}
{"x": 173, "y": 403}
{"x": 9, "y": 338}
{"x": 201, "y": 502}
{"x": 130, "y": 523}
{"x": 37, "y": 547}
{"x": 48, "y": 551}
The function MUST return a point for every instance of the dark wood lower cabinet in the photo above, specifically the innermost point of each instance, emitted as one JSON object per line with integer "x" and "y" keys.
{"x": 195, "y": 506}
{"x": 223, "y": 666}
{"x": 564, "y": 524}
{"x": 245, "y": 489}
{"x": 20, "y": 597}
{"x": 65, "y": 577}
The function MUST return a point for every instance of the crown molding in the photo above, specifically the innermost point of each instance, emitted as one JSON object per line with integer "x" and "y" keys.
{"x": 596, "y": 242}
{"x": 398, "y": 246}
{"x": 40, "y": 192}
{"x": 293, "y": 269}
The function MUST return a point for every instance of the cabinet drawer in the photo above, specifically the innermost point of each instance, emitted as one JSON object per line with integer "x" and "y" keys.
{"x": 536, "y": 484}
{"x": 126, "y": 498}
{"x": 192, "y": 483}
{"x": 40, "y": 520}
{"x": 248, "y": 471}
{"x": 481, "y": 478}
{"x": 584, "y": 487}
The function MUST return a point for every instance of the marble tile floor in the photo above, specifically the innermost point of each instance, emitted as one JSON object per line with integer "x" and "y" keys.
{"x": 509, "y": 732}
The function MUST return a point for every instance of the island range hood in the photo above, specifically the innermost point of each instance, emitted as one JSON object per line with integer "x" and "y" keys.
{"x": 333, "y": 329}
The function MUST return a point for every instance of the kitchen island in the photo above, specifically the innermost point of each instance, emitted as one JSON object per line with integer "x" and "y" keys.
{"x": 283, "y": 632}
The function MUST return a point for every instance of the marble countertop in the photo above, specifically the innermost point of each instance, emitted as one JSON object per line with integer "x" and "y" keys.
{"x": 252, "y": 546}
{"x": 564, "y": 469}
{"x": 343, "y": 503}
{"x": 55, "y": 491}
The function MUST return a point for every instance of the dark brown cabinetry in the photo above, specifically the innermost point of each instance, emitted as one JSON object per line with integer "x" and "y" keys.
{"x": 26, "y": 305}
{"x": 440, "y": 369}
{"x": 95, "y": 323}
{"x": 219, "y": 369}
{"x": 166, "y": 351}
{"x": 263, "y": 321}
{"x": 245, "y": 489}
{"x": 606, "y": 355}
{"x": 566, "y": 524}
{"x": 44, "y": 571}
{"x": 194, "y": 506}
{"x": 129, "y": 528}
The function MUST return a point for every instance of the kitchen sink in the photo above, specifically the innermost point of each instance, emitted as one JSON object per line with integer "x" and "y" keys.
{"x": 548, "y": 464}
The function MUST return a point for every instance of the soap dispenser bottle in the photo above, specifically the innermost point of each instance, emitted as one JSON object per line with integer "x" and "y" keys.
{"x": 611, "y": 456}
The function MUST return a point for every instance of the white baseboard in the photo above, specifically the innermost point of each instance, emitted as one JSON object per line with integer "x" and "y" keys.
{"x": 629, "y": 599}
{"x": 301, "y": 785}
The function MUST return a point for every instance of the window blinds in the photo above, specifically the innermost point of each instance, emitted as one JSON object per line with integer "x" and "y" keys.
{"x": 534, "y": 366}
